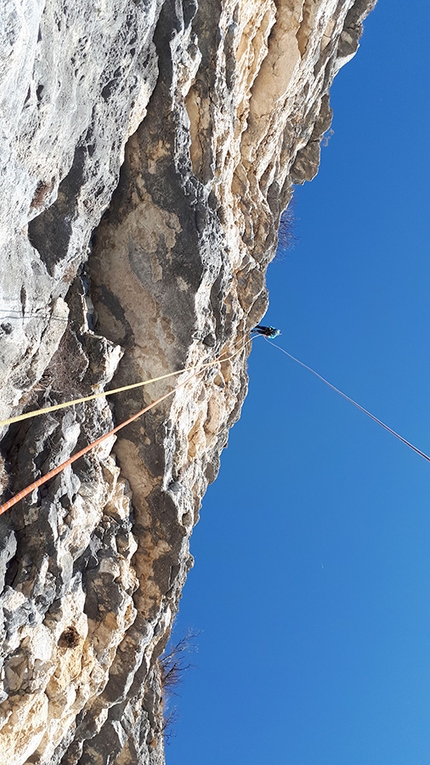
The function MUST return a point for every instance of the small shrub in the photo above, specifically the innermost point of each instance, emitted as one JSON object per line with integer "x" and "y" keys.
{"x": 286, "y": 238}
{"x": 66, "y": 369}
{"x": 172, "y": 665}
{"x": 169, "y": 719}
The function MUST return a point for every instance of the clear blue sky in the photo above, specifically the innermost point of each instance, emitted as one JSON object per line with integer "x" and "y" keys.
{"x": 311, "y": 586}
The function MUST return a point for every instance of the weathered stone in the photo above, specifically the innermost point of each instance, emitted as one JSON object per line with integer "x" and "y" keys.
{"x": 148, "y": 147}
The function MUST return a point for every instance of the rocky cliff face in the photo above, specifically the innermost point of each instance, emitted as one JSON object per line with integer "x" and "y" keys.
{"x": 148, "y": 148}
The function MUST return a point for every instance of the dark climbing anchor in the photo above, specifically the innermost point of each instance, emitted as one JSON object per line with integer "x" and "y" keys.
{"x": 269, "y": 332}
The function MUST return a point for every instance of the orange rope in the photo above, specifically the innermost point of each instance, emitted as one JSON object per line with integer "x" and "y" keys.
{"x": 52, "y": 473}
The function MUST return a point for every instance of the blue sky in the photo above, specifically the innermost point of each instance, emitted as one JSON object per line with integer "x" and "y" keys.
{"x": 311, "y": 586}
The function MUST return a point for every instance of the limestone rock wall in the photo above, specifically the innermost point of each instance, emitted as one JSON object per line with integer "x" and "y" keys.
{"x": 147, "y": 150}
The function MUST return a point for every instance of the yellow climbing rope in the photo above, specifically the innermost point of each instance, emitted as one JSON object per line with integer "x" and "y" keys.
{"x": 40, "y": 481}
{"x": 84, "y": 399}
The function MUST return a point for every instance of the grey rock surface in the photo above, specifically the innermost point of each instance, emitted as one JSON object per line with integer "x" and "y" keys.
{"x": 147, "y": 150}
